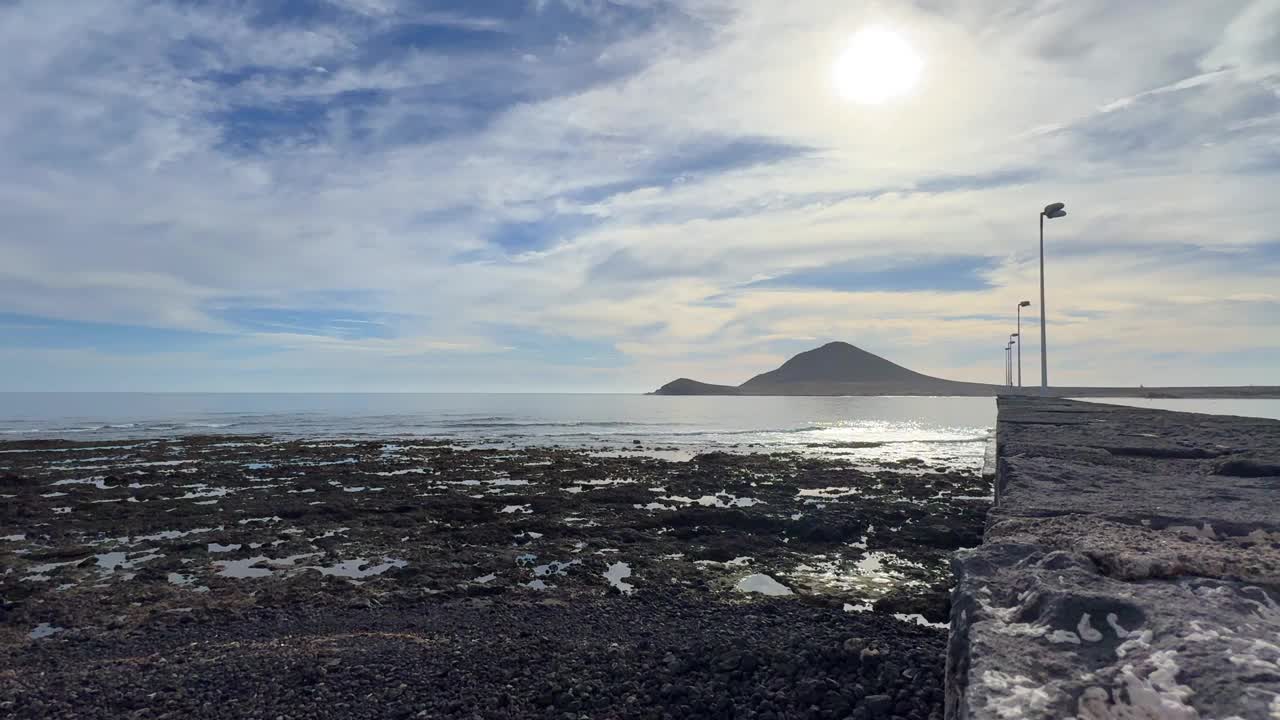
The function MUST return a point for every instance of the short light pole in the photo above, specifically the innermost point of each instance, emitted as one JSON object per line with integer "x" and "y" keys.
{"x": 1056, "y": 210}
{"x": 1007, "y": 356}
{"x": 1014, "y": 339}
{"x": 1020, "y": 305}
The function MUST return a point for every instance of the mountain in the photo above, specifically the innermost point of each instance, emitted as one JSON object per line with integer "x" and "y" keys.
{"x": 685, "y": 386}
{"x": 839, "y": 368}
{"x": 836, "y": 362}
{"x": 836, "y": 368}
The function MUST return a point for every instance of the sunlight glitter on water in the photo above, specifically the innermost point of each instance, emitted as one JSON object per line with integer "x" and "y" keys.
{"x": 868, "y": 577}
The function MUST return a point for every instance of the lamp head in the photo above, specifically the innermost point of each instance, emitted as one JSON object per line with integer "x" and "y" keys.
{"x": 1025, "y": 303}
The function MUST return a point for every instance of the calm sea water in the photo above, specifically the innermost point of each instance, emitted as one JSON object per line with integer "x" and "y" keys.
{"x": 952, "y": 430}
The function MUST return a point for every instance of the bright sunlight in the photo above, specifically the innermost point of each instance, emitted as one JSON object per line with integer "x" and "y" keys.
{"x": 878, "y": 66}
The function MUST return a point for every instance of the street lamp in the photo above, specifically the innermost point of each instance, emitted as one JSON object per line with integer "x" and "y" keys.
{"x": 1024, "y": 303}
{"x": 1013, "y": 340}
{"x": 1056, "y": 210}
{"x": 1007, "y": 356}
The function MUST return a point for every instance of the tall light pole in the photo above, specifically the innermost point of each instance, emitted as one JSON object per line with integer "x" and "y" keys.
{"x": 1056, "y": 210}
{"x": 1024, "y": 303}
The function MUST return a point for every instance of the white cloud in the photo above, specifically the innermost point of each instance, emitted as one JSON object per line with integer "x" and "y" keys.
{"x": 121, "y": 202}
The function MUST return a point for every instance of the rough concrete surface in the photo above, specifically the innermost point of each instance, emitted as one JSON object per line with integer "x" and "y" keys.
{"x": 1131, "y": 569}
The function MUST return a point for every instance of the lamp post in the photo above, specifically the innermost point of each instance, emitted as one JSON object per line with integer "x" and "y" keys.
{"x": 1007, "y": 356}
{"x": 1013, "y": 340}
{"x": 1056, "y": 210}
{"x": 1024, "y": 303}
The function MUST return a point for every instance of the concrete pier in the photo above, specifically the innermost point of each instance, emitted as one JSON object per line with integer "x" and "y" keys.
{"x": 1130, "y": 569}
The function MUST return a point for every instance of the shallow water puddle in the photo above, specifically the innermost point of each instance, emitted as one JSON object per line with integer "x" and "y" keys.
{"x": 97, "y": 481}
{"x": 108, "y": 563}
{"x": 615, "y": 575}
{"x": 485, "y": 579}
{"x": 248, "y": 568}
{"x": 554, "y": 568}
{"x": 323, "y": 463}
{"x": 80, "y": 449}
{"x": 521, "y": 509}
{"x": 38, "y": 572}
{"x": 160, "y": 463}
{"x": 44, "y": 630}
{"x": 829, "y": 492}
{"x": 601, "y": 482}
{"x": 720, "y": 500}
{"x": 100, "y": 458}
{"x": 272, "y": 519}
{"x": 220, "y": 548}
{"x": 919, "y": 620}
{"x": 762, "y": 584}
{"x": 328, "y": 534}
{"x": 359, "y": 568}
{"x": 157, "y": 537}
{"x": 205, "y": 492}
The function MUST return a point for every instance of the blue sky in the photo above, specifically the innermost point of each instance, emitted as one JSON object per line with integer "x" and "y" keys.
{"x": 602, "y": 195}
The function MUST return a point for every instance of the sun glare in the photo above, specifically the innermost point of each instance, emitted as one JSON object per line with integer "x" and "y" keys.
{"x": 878, "y": 66}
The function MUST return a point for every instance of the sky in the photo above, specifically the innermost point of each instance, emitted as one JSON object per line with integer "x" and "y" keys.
{"x": 604, "y": 195}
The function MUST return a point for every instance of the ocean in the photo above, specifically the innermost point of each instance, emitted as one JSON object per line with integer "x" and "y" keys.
{"x": 943, "y": 430}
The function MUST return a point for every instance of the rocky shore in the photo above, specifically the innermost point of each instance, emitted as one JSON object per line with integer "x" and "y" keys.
{"x": 248, "y": 578}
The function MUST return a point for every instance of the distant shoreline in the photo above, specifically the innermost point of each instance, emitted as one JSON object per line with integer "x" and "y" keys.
{"x": 1163, "y": 393}
{"x": 840, "y": 369}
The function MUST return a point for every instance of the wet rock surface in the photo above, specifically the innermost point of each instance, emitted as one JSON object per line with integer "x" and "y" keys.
{"x": 1130, "y": 570}
{"x": 245, "y": 577}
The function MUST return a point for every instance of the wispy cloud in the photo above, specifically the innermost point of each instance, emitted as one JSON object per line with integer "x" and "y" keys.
{"x": 366, "y": 187}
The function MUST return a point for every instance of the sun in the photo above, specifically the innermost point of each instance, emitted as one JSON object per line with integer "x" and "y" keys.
{"x": 877, "y": 66}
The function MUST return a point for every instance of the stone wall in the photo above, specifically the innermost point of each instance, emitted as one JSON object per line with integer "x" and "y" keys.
{"x": 1131, "y": 569}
